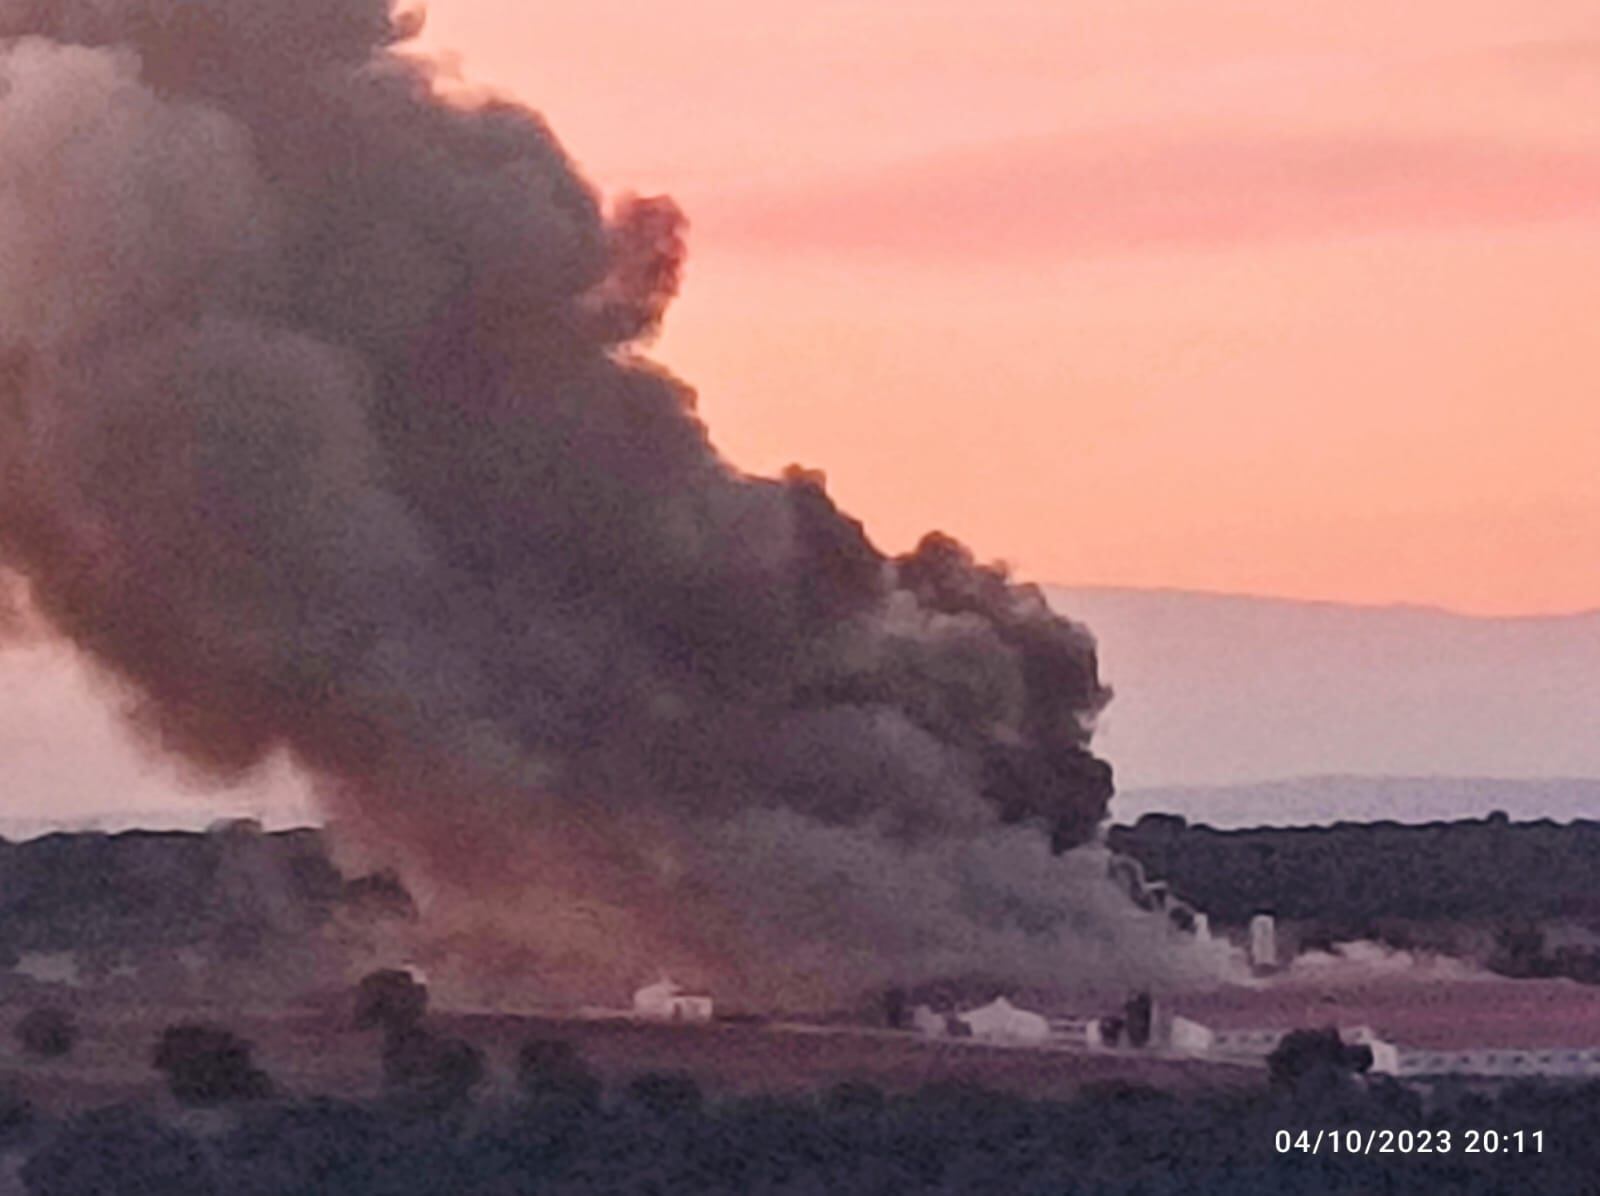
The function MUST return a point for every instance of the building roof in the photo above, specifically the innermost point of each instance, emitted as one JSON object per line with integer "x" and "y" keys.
{"x": 665, "y": 990}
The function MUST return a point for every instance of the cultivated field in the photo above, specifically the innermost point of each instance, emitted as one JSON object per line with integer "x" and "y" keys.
{"x": 311, "y": 1053}
{"x": 1442, "y": 1014}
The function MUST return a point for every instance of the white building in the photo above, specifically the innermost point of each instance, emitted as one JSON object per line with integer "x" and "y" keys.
{"x": 1002, "y": 1021}
{"x": 665, "y": 1001}
{"x": 1251, "y": 1042}
{"x": 1077, "y": 1031}
{"x": 1263, "y": 943}
{"x": 1386, "y": 1056}
{"x": 1190, "y": 1037}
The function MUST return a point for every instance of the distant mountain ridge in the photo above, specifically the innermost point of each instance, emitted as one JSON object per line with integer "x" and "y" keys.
{"x": 1231, "y": 709}
{"x": 1306, "y": 801}
{"x": 1217, "y": 690}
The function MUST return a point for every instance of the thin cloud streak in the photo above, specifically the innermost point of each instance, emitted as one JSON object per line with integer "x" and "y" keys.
{"x": 1115, "y": 192}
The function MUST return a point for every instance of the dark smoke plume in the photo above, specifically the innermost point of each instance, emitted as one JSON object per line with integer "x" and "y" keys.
{"x": 323, "y": 430}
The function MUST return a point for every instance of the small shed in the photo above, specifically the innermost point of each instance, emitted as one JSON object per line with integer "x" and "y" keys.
{"x": 1190, "y": 1036}
{"x": 665, "y": 1001}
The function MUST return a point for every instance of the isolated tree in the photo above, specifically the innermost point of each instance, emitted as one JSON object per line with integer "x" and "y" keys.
{"x": 431, "y": 1071}
{"x": 390, "y": 1000}
{"x": 550, "y": 1071}
{"x": 48, "y": 1032}
{"x": 1304, "y": 1055}
{"x": 1137, "y": 1016}
{"x": 208, "y": 1065}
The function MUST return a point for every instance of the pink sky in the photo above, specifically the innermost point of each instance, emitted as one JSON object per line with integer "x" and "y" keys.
{"x": 1238, "y": 295}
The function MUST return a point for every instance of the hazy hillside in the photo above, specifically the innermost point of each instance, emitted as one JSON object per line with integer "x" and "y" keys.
{"x": 1221, "y": 690}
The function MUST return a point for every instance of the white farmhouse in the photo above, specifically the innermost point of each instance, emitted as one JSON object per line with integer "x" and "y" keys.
{"x": 1001, "y": 1021}
{"x": 665, "y": 1001}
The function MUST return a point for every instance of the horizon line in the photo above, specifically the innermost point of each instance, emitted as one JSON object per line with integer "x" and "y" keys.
{"x": 1397, "y": 605}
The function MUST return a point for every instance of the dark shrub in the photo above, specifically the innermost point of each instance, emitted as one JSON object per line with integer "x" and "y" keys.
{"x": 431, "y": 1071}
{"x": 665, "y": 1093}
{"x": 1519, "y": 951}
{"x": 17, "y": 1119}
{"x": 118, "y": 1150}
{"x": 551, "y": 1071}
{"x": 1122, "y": 1093}
{"x": 47, "y": 1033}
{"x": 896, "y": 1009}
{"x": 1302, "y": 1054}
{"x": 853, "y": 1098}
{"x": 323, "y": 1148}
{"x": 390, "y": 1000}
{"x": 207, "y": 1065}
{"x": 382, "y": 893}
{"x": 1136, "y": 1015}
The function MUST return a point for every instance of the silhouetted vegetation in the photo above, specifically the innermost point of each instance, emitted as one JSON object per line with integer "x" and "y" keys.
{"x": 1136, "y": 1015}
{"x": 853, "y": 1097}
{"x": 665, "y": 1094}
{"x": 390, "y": 1000}
{"x": 1302, "y": 1055}
{"x": 208, "y": 1065}
{"x": 430, "y": 1071}
{"x": 552, "y": 1072}
{"x": 119, "y": 1150}
{"x": 381, "y": 892}
{"x": 1473, "y": 868}
{"x": 1369, "y": 880}
{"x": 47, "y": 1032}
{"x": 1520, "y": 950}
{"x": 18, "y": 1119}
{"x": 659, "y": 1134}
{"x": 896, "y": 1009}
{"x": 117, "y": 898}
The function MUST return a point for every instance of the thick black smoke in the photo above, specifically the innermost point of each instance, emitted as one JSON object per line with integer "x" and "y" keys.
{"x": 322, "y": 431}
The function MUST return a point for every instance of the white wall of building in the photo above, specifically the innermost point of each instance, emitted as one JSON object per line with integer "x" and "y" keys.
{"x": 1190, "y": 1037}
{"x": 667, "y": 1002}
{"x": 1000, "y": 1020}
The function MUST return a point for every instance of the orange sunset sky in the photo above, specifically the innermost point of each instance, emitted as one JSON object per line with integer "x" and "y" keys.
{"x": 1242, "y": 295}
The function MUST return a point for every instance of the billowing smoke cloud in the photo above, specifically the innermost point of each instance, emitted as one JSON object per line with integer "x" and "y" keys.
{"x": 323, "y": 430}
